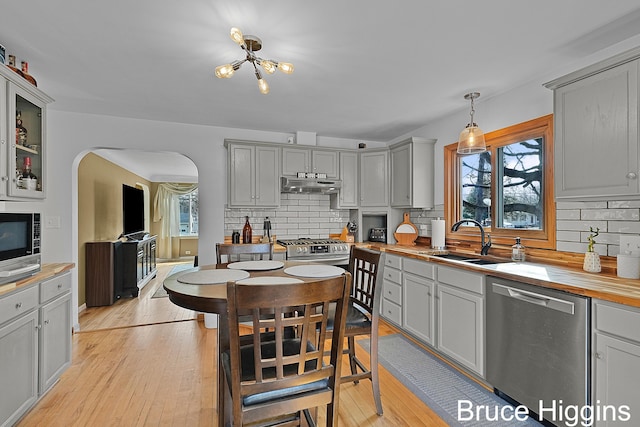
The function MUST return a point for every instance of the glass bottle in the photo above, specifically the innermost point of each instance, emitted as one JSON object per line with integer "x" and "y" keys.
{"x": 235, "y": 236}
{"x": 246, "y": 231}
{"x": 21, "y": 131}
{"x": 517, "y": 251}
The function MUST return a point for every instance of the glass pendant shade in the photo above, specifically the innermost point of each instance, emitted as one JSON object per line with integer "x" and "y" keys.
{"x": 471, "y": 140}
{"x": 224, "y": 71}
{"x": 236, "y": 36}
{"x": 285, "y": 67}
{"x": 263, "y": 86}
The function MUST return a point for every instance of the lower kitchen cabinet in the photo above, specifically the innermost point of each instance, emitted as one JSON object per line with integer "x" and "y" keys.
{"x": 616, "y": 364}
{"x": 35, "y": 343}
{"x": 419, "y": 299}
{"x": 460, "y": 320}
{"x": 391, "y": 307}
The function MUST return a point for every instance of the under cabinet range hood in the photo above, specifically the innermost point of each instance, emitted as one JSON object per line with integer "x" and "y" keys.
{"x": 309, "y": 185}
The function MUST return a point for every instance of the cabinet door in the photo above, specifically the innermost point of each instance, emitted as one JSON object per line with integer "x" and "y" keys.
{"x": 596, "y": 135}
{"x": 401, "y": 176}
{"x": 267, "y": 185}
{"x": 419, "y": 307}
{"x": 26, "y": 168}
{"x": 617, "y": 375}
{"x": 374, "y": 179}
{"x": 5, "y": 132}
{"x": 325, "y": 162}
{"x": 461, "y": 327}
{"x": 295, "y": 160}
{"x": 241, "y": 173}
{"x": 18, "y": 367}
{"x": 55, "y": 340}
{"x": 347, "y": 197}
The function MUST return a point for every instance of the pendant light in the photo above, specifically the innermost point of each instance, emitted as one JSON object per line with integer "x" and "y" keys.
{"x": 471, "y": 139}
{"x": 250, "y": 45}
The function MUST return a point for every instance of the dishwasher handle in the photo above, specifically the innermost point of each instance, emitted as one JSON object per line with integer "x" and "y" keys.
{"x": 534, "y": 298}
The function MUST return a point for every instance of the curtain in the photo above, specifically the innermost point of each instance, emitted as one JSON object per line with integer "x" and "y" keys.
{"x": 166, "y": 209}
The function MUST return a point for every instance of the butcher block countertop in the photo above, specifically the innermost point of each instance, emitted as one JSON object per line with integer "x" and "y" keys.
{"x": 47, "y": 271}
{"x": 596, "y": 285}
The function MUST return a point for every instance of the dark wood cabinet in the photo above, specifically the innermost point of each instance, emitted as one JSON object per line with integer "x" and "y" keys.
{"x": 115, "y": 269}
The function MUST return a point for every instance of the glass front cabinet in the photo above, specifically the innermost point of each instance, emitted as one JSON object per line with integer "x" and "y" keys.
{"x": 23, "y": 146}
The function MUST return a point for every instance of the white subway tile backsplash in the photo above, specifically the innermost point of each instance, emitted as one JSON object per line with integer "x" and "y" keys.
{"x": 581, "y": 205}
{"x": 619, "y": 204}
{"x": 610, "y": 214}
{"x": 565, "y": 225}
{"x": 568, "y": 214}
{"x": 568, "y": 236}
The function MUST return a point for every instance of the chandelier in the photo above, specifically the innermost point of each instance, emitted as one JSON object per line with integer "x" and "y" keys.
{"x": 252, "y": 44}
{"x": 471, "y": 139}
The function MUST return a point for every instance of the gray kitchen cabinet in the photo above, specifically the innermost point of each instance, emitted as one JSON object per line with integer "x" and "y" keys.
{"x": 391, "y": 307}
{"x": 347, "y": 197}
{"x": 616, "y": 363}
{"x": 18, "y": 354}
{"x": 418, "y": 307}
{"x": 412, "y": 178}
{"x": 296, "y": 160}
{"x": 596, "y": 130}
{"x": 35, "y": 343}
{"x": 374, "y": 178}
{"x": 460, "y": 319}
{"x": 55, "y": 329}
{"x": 253, "y": 175}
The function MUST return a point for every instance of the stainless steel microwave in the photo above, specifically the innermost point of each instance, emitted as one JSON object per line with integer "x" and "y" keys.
{"x": 19, "y": 245}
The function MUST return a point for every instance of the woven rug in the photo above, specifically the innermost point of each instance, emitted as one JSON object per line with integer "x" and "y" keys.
{"x": 440, "y": 386}
{"x": 160, "y": 292}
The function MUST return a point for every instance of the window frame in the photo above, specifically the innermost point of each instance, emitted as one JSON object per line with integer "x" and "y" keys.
{"x": 541, "y": 127}
{"x": 191, "y": 234}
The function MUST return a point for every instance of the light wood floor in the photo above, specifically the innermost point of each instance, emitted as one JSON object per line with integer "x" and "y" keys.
{"x": 146, "y": 362}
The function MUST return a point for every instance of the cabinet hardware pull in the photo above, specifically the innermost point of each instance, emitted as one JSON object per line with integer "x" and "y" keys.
{"x": 598, "y": 355}
{"x": 59, "y": 285}
{"x": 632, "y": 175}
{"x": 46, "y": 322}
{"x": 18, "y": 306}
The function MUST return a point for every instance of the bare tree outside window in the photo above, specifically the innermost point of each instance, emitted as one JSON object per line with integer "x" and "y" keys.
{"x": 476, "y": 187}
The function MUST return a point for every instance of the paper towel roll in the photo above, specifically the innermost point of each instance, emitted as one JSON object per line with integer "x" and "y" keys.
{"x": 629, "y": 266}
{"x": 437, "y": 233}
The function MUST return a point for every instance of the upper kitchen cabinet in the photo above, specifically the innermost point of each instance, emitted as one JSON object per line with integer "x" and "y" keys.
{"x": 347, "y": 197}
{"x": 374, "y": 178}
{"x": 23, "y": 146}
{"x": 296, "y": 160}
{"x": 596, "y": 130}
{"x": 412, "y": 176}
{"x": 253, "y": 174}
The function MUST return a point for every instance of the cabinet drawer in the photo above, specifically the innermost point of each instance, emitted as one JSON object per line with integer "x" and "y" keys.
{"x": 392, "y": 311}
{"x": 19, "y": 303}
{"x": 393, "y": 261}
{"x": 392, "y": 292}
{"x": 462, "y": 279}
{"x": 618, "y": 320}
{"x": 419, "y": 268}
{"x": 392, "y": 275}
{"x": 56, "y": 286}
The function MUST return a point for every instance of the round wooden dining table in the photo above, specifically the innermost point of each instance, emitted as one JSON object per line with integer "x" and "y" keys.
{"x": 212, "y": 298}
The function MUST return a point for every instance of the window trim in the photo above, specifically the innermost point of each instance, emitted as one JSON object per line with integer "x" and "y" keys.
{"x": 545, "y": 238}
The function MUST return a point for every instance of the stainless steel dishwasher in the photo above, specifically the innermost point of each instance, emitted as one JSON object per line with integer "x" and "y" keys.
{"x": 538, "y": 346}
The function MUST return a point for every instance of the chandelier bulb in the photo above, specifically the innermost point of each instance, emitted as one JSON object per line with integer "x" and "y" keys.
{"x": 285, "y": 67}
{"x": 268, "y": 66}
{"x": 263, "y": 86}
{"x": 236, "y": 36}
{"x": 224, "y": 71}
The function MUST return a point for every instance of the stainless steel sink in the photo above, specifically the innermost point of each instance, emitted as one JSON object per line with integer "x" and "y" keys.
{"x": 466, "y": 258}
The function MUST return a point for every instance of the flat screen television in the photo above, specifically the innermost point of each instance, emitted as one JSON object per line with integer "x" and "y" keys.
{"x": 132, "y": 210}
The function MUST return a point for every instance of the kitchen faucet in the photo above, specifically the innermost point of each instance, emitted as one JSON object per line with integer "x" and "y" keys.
{"x": 485, "y": 246}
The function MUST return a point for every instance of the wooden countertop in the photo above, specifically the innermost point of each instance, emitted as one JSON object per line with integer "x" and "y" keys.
{"x": 596, "y": 285}
{"x": 47, "y": 271}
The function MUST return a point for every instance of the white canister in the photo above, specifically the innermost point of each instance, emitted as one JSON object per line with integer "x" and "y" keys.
{"x": 629, "y": 266}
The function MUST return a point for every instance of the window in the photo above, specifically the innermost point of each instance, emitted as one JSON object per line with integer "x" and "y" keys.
{"x": 189, "y": 214}
{"x": 508, "y": 188}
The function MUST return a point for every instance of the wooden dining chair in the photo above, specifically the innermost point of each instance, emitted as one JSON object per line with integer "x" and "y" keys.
{"x": 231, "y": 250}
{"x": 276, "y": 377}
{"x": 363, "y": 315}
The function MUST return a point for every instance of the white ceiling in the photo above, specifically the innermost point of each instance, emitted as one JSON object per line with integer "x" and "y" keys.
{"x": 364, "y": 69}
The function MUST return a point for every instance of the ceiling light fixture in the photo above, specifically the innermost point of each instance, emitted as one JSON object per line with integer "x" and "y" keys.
{"x": 471, "y": 139}
{"x": 252, "y": 44}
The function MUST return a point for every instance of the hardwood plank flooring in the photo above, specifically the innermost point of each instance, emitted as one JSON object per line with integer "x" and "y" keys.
{"x": 142, "y": 362}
